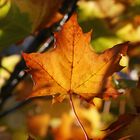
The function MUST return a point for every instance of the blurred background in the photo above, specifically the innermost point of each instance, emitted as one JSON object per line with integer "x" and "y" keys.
{"x": 28, "y": 26}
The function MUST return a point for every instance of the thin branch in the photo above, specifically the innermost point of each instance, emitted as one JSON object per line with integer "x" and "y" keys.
{"x": 77, "y": 118}
{"x": 13, "y": 108}
{"x": 21, "y": 104}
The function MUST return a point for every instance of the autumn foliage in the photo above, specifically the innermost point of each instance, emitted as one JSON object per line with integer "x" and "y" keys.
{"x": 69, "y": 69}
{"x": 72, "y": 66}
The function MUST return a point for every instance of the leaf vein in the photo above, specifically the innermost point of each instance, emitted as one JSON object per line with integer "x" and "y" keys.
{"x": 49, "y": 74}
{"x": 95, "y": 73}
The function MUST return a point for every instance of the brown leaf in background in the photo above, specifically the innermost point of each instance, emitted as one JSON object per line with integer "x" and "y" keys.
{"x": 119, "y": 125}
{"x": 54, "y": 19}
{"x": 30, "y": 138}
{"x": 38, "y": 124}
{"x": 23, "y": 89}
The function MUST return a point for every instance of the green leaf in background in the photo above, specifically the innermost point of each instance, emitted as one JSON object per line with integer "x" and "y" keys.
{"x": 103, "y": 38}
{"x": 100, "y": 28}
{"x": 19, "y": 18}
{"x": 91, "y": 17}
{"x": 14, "y": 26}
{"x": 102, "y": 43}
{"x": 89, "y": 9}
{"x": 129, "y": 32}
{"x": 39, "y": 11}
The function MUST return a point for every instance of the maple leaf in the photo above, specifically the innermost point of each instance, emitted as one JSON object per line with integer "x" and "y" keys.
{"x": 72, "y": 66}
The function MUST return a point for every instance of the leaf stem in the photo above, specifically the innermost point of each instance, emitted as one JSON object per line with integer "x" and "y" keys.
{"x": 77, "y": 118}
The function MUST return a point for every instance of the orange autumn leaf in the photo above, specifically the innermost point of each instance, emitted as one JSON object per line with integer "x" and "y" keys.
{"x": 38, "y": 124}
{"x": 72, "y": 66}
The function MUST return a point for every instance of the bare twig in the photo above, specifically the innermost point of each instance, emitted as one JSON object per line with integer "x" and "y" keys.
{"x": 21, "y": 104}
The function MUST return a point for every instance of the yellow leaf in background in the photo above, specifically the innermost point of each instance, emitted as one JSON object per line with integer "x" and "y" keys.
{"x": 4, "y": 7}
